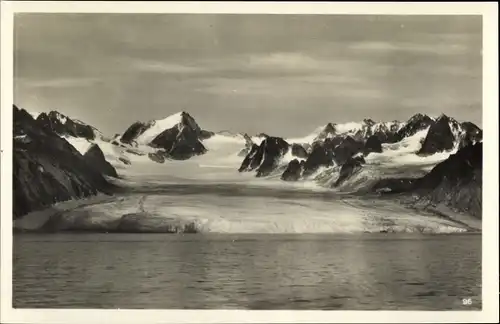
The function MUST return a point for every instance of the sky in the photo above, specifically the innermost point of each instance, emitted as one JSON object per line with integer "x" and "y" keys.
{"x": 280, "y": 74}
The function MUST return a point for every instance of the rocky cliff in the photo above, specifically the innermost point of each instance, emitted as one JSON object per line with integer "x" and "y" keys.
{"x": 456, "y": 182}
{"x": 47, "y": 169}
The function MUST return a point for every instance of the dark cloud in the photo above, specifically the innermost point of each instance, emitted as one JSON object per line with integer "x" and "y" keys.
{"x": 248, "y": 73}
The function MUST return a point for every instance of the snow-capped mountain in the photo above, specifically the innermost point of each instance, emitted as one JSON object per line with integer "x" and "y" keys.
{"x": 145, "y": 133}
{"x": 415, "y": 124}
{"x": 374, "y": 150}
{"x": 48, "y": 169}
{"x": 177, "y": 136}
{"x": 447, "y": 134}
{"x": 395, "y": 131}
{"x": 65, "y": 126}
{"x": 81, "y": 136}
{"x": 360, "y": 130}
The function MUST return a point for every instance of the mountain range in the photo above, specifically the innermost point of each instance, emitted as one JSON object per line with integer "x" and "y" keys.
{"x": 57, "y": 158}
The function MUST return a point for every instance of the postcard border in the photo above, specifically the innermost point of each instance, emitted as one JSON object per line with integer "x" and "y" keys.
{"x": 490, "y": 168}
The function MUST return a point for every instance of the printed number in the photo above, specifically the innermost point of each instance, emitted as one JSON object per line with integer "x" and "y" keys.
{"x": 467, "y": 301}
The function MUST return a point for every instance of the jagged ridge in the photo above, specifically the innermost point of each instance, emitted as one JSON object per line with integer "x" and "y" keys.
{"x": 47, "y": 169}
{"x": 63, "y": 125}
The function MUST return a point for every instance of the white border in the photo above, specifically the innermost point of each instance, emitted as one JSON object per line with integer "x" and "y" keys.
{"x": 489, "y": 313}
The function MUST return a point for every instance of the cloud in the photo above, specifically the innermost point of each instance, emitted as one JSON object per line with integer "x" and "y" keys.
{"x": 290, "y": 75}
{"x": 165, "y": 67}
{"x": 437, "y": 48}
{"x": 254, "y": 66}
{"x": 333, "y": 86}
{"x": 58, "y": 82}
{"x": 296, "y": 62}
{"x": 435, "y": 102}
{"x": 284, "y": 60}
{"x": 242, "y": 66}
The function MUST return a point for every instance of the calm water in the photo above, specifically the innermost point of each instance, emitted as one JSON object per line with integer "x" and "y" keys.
{"x": 347, "y": 272}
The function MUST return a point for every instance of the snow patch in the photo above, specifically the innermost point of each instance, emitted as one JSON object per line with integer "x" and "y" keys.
{"x": 62, "y": 118}
{"x": 81, "y": 144}
{"x": 351, "y": 127}
{"x": 258, "y": 139}
{"x": 308, "y": 139}
{"x": 288, "y": 156}
{"x": 34, "y": 114}
{"x": 404, "y": 152}
{"x": 158, "y": 126}
{"x": 112, "y": 153}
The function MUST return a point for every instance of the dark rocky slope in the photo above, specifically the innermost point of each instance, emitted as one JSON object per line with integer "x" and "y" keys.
{"x": 299, "y": 151}
{"x": 95, "y": 157}
{"x": 473, "y": 134}
{"x": 134, "y": 130}
{"x": 336, "y": 150}
{"x": 47, "y": 169}
{"x": 248, "y": 146}
{"x": 265, "y": 157}
{"x": 439, "y": 138}
{"x": 321, "y": 156}
{"x": 456, "y": 182}
{"x": 63, "y": 125}
{"x": 293, "y": 170}
{"x": 349, "y": 168}
{"x": 446, "y": 133}
{"x": 372, "y": 144}
{"x": 347, "y": 149}
{"x": 252, "y": 159}
{"x": 327, "y": 132}
{"x": 415, "y": 124}
{"x": 158, "y": 157}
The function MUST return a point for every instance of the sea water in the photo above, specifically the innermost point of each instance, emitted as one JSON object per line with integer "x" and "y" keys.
{"x": 247, "y": 271}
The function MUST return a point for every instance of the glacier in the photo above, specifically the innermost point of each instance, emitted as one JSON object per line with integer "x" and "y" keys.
{"x": 206, "y": 194}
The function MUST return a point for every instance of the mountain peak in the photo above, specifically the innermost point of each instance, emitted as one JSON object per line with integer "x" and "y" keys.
{"x": 65, "y": 126}
{"x": 55, "y": 113}
{"x": 329, "y": 128}
{"x": 419, "y": 117}
{"x": 157, "y": 130}
{"x": 470, "y": 127}
{"x": 171, "y": 117}
{"x": 369, "y": 121}
{"x": 443, "y": 117}
{"x": 155, "y": 127}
